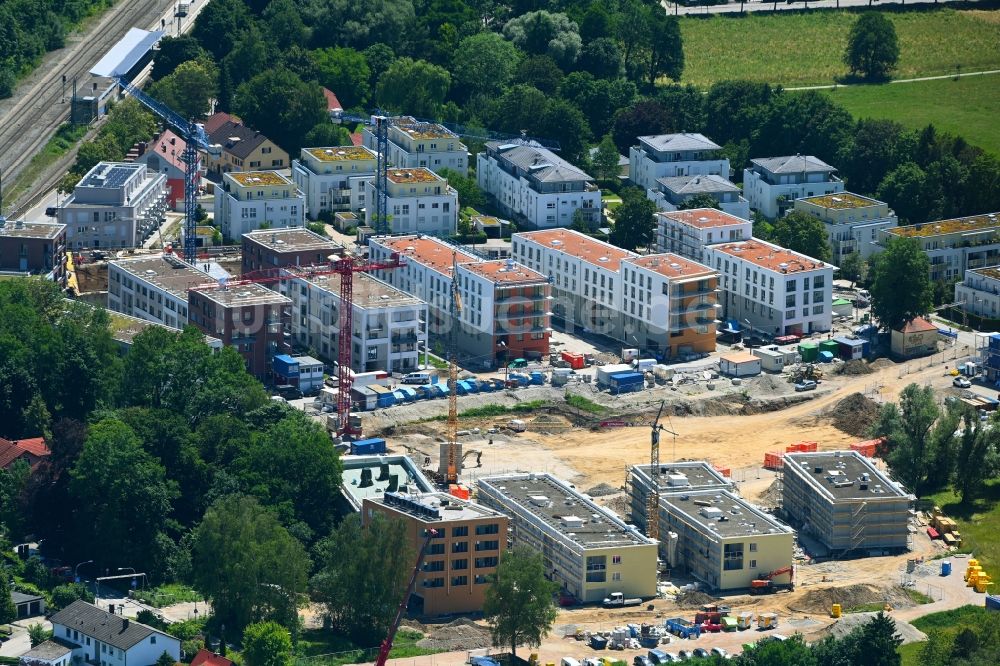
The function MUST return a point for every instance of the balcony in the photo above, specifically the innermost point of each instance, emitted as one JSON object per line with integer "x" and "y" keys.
{"x": 507, "y": 315}
{"x": 404, "y": 338}
{"x": 691, "y": 293}
{"x": 522, "y": 299}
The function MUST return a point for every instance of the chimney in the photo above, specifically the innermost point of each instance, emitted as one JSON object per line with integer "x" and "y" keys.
{"x": 124, "y": 624}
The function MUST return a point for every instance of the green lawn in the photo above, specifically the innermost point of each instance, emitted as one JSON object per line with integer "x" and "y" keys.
{"x": 318, "y": 647}
{"x": 167, "y": 595}
{"x": 950, "y": 622}
{"x": 798, "y": 49}
{"x": 977, "y": 523}
{"x": 966, "y": 107}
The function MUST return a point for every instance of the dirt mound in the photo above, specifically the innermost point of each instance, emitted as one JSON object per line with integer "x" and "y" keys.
{"x": 847, "y": 623}
{"x": 461, "y": 634}
{"x": 850, "y": 596}
{"x": 769, "y": 384}
{"x": 881, "y": 364}
{"x": 601, "y": 490}
{"x": 695, "y": 599}
{"x": 855, "y": 367}
{"x": 770, "y": 497}
{"x": 855, "y": 414}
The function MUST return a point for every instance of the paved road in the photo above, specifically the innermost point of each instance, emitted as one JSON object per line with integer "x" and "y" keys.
{"x": 758, "y": 6}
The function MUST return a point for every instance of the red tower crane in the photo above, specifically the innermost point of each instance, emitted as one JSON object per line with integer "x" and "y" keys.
{"x": 345, "y": 267}
{"x": 386, "y": 647}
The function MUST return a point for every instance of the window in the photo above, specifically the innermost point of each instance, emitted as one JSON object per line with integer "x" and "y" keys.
{"x": 434, "y": 582}
{"x": 732, "y": 556}
{"x": 617, "y": 575}
{"x": 459, "y": 565}
{"x": 481, "y": 579}
{"x": 460, "y": 531}
{"x": 596, "y": 568}
{"x": 459, "y": 580}
{"x": 437, "y": 565}
{"x": 485, "y": 562}
{"x": 616, "y": 559}
{"x": 486, "y": 545}
{"x": 461, "y": 547}
{"x": 492, "y": 528}
{"x": 753, "y": 564}
{"x": 753, "y": 548}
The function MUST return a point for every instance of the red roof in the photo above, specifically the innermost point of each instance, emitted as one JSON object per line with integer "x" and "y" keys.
{"x": 918, "y": 325}
{"x": 170, "y": 147}
{"x": 10, "y": 451}
{"x": 357, "y": 139}
{"x": 35, "y": 446}
{"x": 208, "y": 658}
{"x": 332, "y": 103}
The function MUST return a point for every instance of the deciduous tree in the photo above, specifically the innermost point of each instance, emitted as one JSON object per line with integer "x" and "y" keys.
{"x": 281, "y": 106}
{"x": 547, "y": 33}
{"x": 605, "y": 159}
{"x": 872, "y": 47}
{"x": 909, "y": 446}
{"x": 635, "y": 220}
{"x": 172, "y": 51}
{"x": 414, "y": 86}
{"x": 901, "y": 289}
{"x": 189, "y": 89}
{"x": 803, "y": 233}
{"x": 518, "y": 605}
{"x": 345, "y": 72}
{"x": 267, "y": 644}
{"x": 8, "y": 611}
{"x": 485, "y": 63}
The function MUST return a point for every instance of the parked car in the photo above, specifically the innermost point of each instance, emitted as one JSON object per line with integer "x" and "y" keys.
{"x": 806, "y": 385}
{"x": 641, "y": 660}
{"x": 961, "y": 382}
{"x": 719, "y": 652}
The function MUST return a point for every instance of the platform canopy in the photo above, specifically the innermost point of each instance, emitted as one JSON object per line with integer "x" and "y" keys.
{"x": 127, "y": 53}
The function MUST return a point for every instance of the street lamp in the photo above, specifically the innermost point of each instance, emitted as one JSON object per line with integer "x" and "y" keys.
{"x": 76, "y": 570}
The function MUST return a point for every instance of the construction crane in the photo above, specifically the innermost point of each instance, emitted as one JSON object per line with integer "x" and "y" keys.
{"x": 386, "y": 647}
{"x": 653, "y": 500}
{"x": 380, "y": 124}
{"x": 456, "y": 311}
{"x": 195, "y": 139}
{"x": 345, "y": 267}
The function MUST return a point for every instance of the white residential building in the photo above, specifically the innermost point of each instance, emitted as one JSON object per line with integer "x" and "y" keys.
{"x": 979, "y": 292}
{"x": 332, "y": 179}
{"x": 413, "y": 143}
{"x": 101, "y": 638}
{"x": 674, "y": 192}
{"x": 778, "y": 291}
{"x": 418, "y": 201}
{"x": 116, "y": 205}
{"x": 771, "y": 184}
{"x": 852, "y": 222}
{"x": 954, "y": 246}
{"x": 388, "y": 325}
{"x": 153, "y": 288}
{"x": 687, "y": 232}
{"x": 505, "y": 306}
{"x": 671, "y": 155}
{"x": 248, "y": 200}
{"x": 536, "y": 187}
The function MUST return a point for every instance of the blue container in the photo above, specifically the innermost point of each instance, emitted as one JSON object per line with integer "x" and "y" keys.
{"x": 625, "y": 378}
{"x": 992, "y": 602}
{"x": 536, "y": 378}
{"x": 486, "y": 386}
{"x": 471, "y": 385}
{"x": 825, "y": 356}
{"x": 522, "y": 380}
{"x": 373, "y": 446}
{"x": 386, "y": 400}
{"x": 945, "y": 567}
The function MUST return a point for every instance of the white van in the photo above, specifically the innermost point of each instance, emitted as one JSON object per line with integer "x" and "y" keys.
{"x": 418, "y": 378}
{"x": 569, "y": 661}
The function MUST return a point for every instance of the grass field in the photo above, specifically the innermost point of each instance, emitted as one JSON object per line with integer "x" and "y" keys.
{"x": 966, "y": 107}
{"x": 977, "y": 523}
{"x": 950, "y": 622}
{"x": 800, "y": 49}
{"x": 318, "y": 647}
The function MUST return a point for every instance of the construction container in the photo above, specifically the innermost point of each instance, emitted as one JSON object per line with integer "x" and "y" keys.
{"x": 802, "y": 447}
{"x": 809, "y": 351}
{"x": 767, "y": 620}
{"x": 365, "y": 397}
{"x": 385, "y": 397}
{"x": 945, "y": 567}
{"x": 629, "y": 354}
{"x": 368, "y": 447}
{"x": 830, "y": 346}
{"x": 604, "y": 372}
{"x": 560, "y": 376}
{"x": 645, "y": 364}
{"x": 739, "y": 364}
{"x": 771, "y": 360}
{"x": 369, "y": 378}
{"x": 867, "y": 448}
{"x": 576, "y": 361}
{"x": 744, "y": 620}
{"x": 625, "y": 382}
{"x": 774, "y": 460}
{"x": 729, "y": 623}
{"x": 459, "y": 491}
{"x": 849, "y": 348}
{"x": 835, "y": 611}
{"x": 536, "y": 378}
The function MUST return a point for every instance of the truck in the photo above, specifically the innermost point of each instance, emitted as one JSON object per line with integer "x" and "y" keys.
{"x": 618, "y": 600}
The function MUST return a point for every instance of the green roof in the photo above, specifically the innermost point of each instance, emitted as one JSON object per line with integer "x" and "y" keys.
{"x": 841, "y": 301}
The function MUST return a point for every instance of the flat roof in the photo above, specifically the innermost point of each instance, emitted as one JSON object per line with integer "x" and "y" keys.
{"x": 684, "y": 141}
{"x": 110, "y": 174}
{"x": 581, "y": 246}
{"x": 566, "y": 510}
{"x": 426, "y": 250}
{"x": 251, "y": 178}
{"x": 770, "y": 256}
{"x": 126, "y": 53}
{"x": 166, "y": 272}
{"x": 21, "y": 229}
{"x": 413, "y": 175}
{"x": 683, "y": 477}
{"x": 704, "y": 218}
{"x": 295, "y": 239}
{"x": 505, "y": 271}
{"x": 739, "y": 357}
{"x": 369, "y": 291}
{"x": 672, "y": 266}
{"x": 422, "y": 130}
{"x": 973, "y": 223}
{"x": 842, "y": 475}
{"x": 243, "y": 294}
{"x": 723, "y": 513}
{"x": 992, "y": 272}
{"x": 357, "y": 486}
{"x": 435, "y": 507}
{"x": 341, "y": 153}
{"x": 842, "y": 200}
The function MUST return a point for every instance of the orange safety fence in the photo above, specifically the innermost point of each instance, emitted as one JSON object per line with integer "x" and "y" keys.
{"x": 774, "y": 460}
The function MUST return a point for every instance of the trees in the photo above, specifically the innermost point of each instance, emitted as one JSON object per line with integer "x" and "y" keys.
{"x": 803, "y": 233}
{"x": 165, "y": 660}
{"x": 38, "y": 634}
{"x": 284, "y": 23}
{"x": 64, "y": 595}
{"x": 602, "y": 58}
{"x": 605, "y": 159}
{"x": 414, "y": 86}
{"x": 469, "y": 194}
{"x": 872, "y": 47}
{"x": 853, "y": 268}
{"x": 644, "y": 117}
{"x": 8, "y": 611}
{"x": 267, "y": 644}
{"x": 220, "y": 25}
{"x": 547, "y": 33}
{"x": 635, "y": 220}
{"x": 518, "y": 605}
{"x": 172, "y": 52}
{"x": 541, "y": 72}
{"x": 362, "y": 572}
{"x": 247, "y": 564}
{"x": 903, "y": 188}
{"x": 485, "y": 63}
{"x": 901, "y": 289}
{"x": 345, "y": 72}
{"x": 282, "y": 106}
{"x": 703, "y": 200}
{"x": 977, "y": 458}
{"x": 361, "y": 23}
{"x": 189, "y": 89}
{"x": 910, "y": 445}
{"x": 666, "y": 50}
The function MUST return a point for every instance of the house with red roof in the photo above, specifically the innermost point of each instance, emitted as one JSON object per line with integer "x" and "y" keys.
{"x": 206, "y": 657}
{"x": 918, "y": 337}
{"x": 33, "y": 451}
{"x": 332, "y": 104}
{"x": 164, "y": 154}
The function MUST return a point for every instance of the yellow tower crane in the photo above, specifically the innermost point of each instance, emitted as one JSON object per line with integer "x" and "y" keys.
{"x": 456, "y": 312}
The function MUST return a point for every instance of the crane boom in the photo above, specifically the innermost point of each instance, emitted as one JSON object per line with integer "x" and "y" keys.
{"x": 386, "y": 647}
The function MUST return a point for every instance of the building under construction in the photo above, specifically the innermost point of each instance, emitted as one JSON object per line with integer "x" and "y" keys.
{"x": 844, "y": 501}
{"x": 675, "y": 477}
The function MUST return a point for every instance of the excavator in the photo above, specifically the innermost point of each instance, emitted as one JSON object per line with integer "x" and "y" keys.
{"x": 765, "y": 582}
{"x": 479, "y": 457}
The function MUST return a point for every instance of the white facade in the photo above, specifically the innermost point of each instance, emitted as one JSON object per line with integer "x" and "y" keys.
{"x": 537, "y": 187}
{"x": 250, "y": 199}
{"x": 670, "y": 155}
{"x": 153, "y": 288}
{"x": 852, "y": 222}
{"x": 777, "y": 290}
{"x": 98, "y": 637}
{"x": 672, "y": 193}
{"x": 979, "y": 292}
{"x": 419, "y": 144}
{"x": 388, "y": 325}
{"x": 418, "y": 201}
{"x": 116, "y": 205}
{"x": 333, "y": 179}
{"x": 954, "y": 246}
{"x": 771, "y": 184}
{"x": 687, "y": 232}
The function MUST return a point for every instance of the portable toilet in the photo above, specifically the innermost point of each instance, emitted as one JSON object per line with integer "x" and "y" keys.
{"x": 809, "y": 351}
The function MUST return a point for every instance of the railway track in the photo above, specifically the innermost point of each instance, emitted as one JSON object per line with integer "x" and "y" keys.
{"x": 28, "y": 125}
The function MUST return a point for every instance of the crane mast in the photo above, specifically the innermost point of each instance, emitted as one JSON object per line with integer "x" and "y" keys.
{"x": 456, "y": 312}
{"x": 386, "y": 647}
{"x": 653, "y": 499}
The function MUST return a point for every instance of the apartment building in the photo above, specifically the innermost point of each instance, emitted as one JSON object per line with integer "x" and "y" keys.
{"x": 670, "y": 477}
{"x": 389, "y": 325}
{"x": 275, "y": 248}
{"x": 843, "y": 500}
{"x": 771, "y": 184}
{"x": 777, "y": 290}
{"x": 954, "y": 246}
{"x": 466, "y": 542}
{"x": 852, "y": 222}
{"x": 418, "y": 201}
{"x": 675, "y": 192}
{"x": 670, "y": 155}
{"x": 33, "y": 247}
{"x": 979, "y": 292}
{"x": 414, "y": 144}
{"x": 249, "y": 317}
{"x": 505, "y": 306}
{"x": 585, "y": 548}
{"x": 687, "y": 232}
{"x": 115, "y": 205}
{"x": 669, "y": 304}
{"x": 370, "y": 477}
{"x": 536, "y": 187}
{"x": 242, "y": 148}
{"x": 165, "y": 155}
{"x": 153, "y": 288}
{"x": 333, "y": 179}
{"x": 247, "y": 200}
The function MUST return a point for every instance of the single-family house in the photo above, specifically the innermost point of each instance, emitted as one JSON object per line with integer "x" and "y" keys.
{"x": 98, "y": 637}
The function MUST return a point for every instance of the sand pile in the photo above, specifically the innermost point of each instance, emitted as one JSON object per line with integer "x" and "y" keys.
{"x": 460, "y": 634}
{"x": 855, "y": 367}
{"x": 847, "y": 623}
{"x": 602, "y": 490}
{"x": 695, "y": 599}
{"x": 881, "y": 364}
{"x": 850, "y": 596}
{"x": 855, "y": 414}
